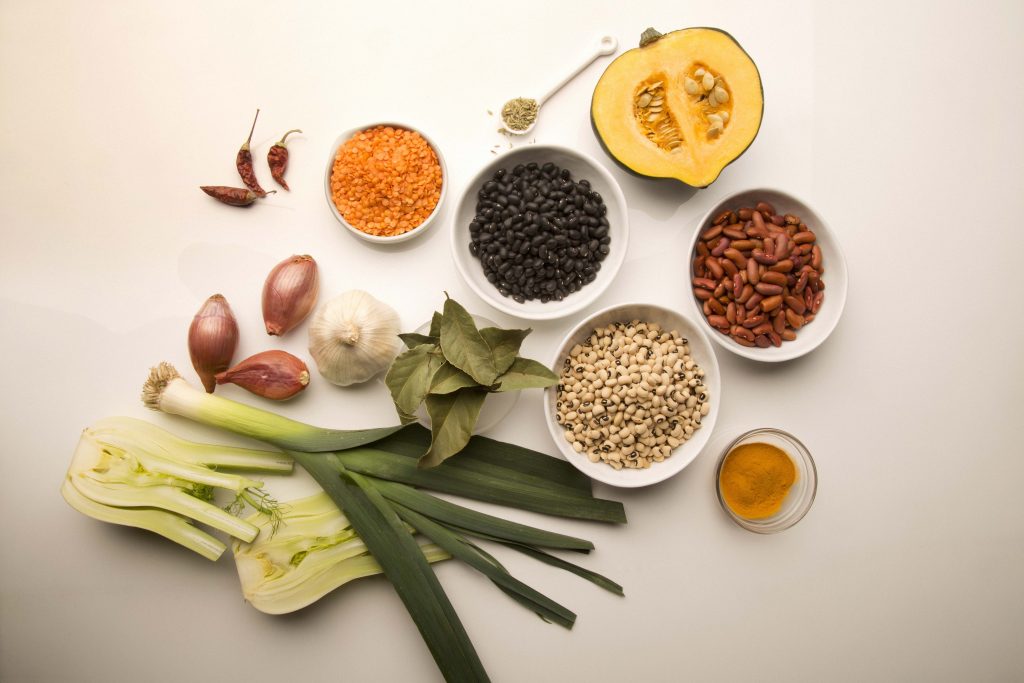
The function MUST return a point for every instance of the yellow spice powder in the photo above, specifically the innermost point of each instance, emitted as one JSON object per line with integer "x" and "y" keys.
{"x": 755, "y": 480}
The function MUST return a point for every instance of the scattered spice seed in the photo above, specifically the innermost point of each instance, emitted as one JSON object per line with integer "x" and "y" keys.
{"x": 277, "y": 159}
{"x": 386, "y": 181}
{"x": 243, "y": 161}
{"x": 235, "y": 196}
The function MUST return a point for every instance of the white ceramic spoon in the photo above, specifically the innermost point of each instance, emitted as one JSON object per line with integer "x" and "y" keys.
{"x": 606, "y": 46}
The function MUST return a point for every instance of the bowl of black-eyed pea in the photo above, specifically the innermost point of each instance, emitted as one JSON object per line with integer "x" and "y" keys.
{"x": 638, "y": 394}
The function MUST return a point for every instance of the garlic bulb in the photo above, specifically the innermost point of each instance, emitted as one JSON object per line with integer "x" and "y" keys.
{"x": 353, "y": 337}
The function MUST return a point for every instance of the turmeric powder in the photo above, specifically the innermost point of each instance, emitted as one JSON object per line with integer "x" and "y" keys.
{"x": 755, "y": 480}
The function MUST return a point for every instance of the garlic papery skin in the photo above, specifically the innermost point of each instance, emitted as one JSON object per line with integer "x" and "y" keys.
{"x": 353, "y": 337}
{"x": 212, "y": 340}
{"x": 289, "y": 293}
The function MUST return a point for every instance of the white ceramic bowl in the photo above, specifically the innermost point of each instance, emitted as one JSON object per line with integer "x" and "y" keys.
{"x": 834, "y": 276}
{"x": 703, "y": 354}
{"x": 418, "y": 230}
{"x": 582, "y": 167}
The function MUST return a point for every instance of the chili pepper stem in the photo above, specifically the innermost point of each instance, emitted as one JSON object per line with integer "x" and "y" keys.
{"x": 248, "y": 141}
{"x": 280, "y": 143}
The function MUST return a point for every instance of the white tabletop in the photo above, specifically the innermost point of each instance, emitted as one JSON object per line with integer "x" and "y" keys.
{"x": 899, "y": 122}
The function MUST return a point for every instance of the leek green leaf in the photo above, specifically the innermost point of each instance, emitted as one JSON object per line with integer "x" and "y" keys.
{"x": 449, "y": 378}
{"x": 410, "y": 375}
{"x": 526, "y": 374}
{"x": 403, "y": 563}
{"x": 463, "y": 346}
{"x": 452, "y": 417}
{"x": 504, "y": 345}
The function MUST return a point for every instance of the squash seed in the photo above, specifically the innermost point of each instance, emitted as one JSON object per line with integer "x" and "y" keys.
{"x": 690, "y": 86}
{"x": 644, "y": 100}
{"x": 708, "y": 82}
{"x": 720, "y": 94}
{"x": 699, "y": 73}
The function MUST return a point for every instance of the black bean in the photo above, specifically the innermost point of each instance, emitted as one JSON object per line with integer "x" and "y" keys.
{"x": 538, "y": 233}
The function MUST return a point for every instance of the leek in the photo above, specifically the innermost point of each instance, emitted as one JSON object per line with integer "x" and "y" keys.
{"x": 371, "y": 476}
{"x": 129, "y": 472}
{"x": 315, "y": 551}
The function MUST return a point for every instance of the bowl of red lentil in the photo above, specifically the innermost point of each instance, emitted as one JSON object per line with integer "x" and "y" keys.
{"x": 385, "y": 182}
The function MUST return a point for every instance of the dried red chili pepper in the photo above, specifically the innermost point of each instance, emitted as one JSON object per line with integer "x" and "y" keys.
{"x": 235, "y": 196}
{"x": 277, "y": 159}
{"x": 243, "y": 160}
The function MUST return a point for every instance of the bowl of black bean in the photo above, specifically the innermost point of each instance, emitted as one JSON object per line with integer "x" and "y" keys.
{"x": 540, "y": 232}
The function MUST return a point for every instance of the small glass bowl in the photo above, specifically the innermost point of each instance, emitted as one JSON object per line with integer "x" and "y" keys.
{"x": 800, "y": 496}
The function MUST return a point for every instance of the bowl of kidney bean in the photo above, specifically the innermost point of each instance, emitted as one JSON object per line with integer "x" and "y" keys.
{"x": 540, "y": 232}
{"x": 759, "y": 263}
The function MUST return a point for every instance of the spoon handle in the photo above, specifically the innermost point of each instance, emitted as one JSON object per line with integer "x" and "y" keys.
{"x": 605, "y": 46}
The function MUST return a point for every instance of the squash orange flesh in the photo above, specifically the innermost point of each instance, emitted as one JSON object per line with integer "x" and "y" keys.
{"x": 701, "y": 154}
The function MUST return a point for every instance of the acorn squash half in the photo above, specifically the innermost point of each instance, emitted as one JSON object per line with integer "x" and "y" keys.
{"x": 683, "y": 105}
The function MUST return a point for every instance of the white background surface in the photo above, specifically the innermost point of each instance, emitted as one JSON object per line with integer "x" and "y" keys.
{"x": 900, "y": 122}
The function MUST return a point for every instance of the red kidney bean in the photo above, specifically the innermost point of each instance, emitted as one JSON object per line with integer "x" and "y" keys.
{"x": 707, "y": 309}
{"x": 714, "y": 268}
{"x": 763, "y": 328}
{"x": 818, "y": 299}
{"x": 779, "y": 321}
{"x": 744, "y": 214}
{"x": 795, "y": 320}
{"x": 718, "y": 321}
{"x": 720, "y": 247}
{"x": 775, "y": 339}
{"x": 705, "y": 283}
{"x": 778, "y": 220}
{"x": 730, "y": 312}
{"x": 763, "y": 258}
{"x": 722, "y": 217}
{"x": 701, "y": 294}
{"x": 801, "y": 283}
{"x": 711, "y": 233}
{"x": 702, "y": 249}
{"x": 795, "y": 303}
{"x": 788, "y": 335}
{"x": 753, "y": 321}
{"x": 753, "y": 274}
{"x": 808, "y": 297}
{"x": 782, "y": 245}
{"x": 743, "y": 245}
{"x": 748, "y": 291}
{"x": 804, "y": 249}
{"x": 759, "y": 222}
{"x": 737, "y": 286}
{"x": 716, "y": 306}
{"x": 761, "y": 341}
{"x": 774, "y": 278}
{"x": 753, "y": 302}
{"x": 771, "y": 303}
{"x": 742, "y": 332}
{"x": 816, "y": 258}
{"x": 719, "y": 290}
{"x": 728, "y": 266}
{"x": 805, "y": 237}
{"x": 792, "y": 220}
{"x": 783, "y": 266}
{"x": 741, "y": 341}
{"x": 767, "y": 288}
{"x": 808, "y": 318}
{"x": 741, "y": 314}
{"x": 736, "y": 257}
{"x": 734, "y": 232}
{"x": 769, "y": 247}
{"x": 765, "y": 207}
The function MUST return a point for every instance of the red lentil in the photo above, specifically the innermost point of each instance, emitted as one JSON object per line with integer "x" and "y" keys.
{"x": 386, "y": 180}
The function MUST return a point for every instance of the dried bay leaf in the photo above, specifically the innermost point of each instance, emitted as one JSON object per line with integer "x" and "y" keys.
{"x": 504, "y": 345}
{"x": 412, "y": 339}
{"x": 452, "y": 418}
{"x": 435, "y": 325}
{"x": 463, "y": 345}
{"x": 449, "y": 378}
{"x": 410, "y": 376}
{"x": 526, "y": 374}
